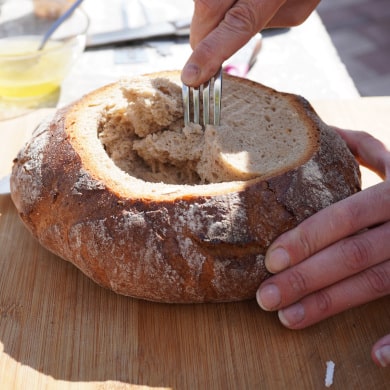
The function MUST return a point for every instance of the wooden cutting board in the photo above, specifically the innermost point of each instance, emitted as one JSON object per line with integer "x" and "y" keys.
{"x": 58, "y": 330}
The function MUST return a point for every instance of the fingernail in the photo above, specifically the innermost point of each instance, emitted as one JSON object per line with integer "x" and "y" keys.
{"x": 269, "y": 297}
{"x": 277, "y": 260}
{"x": 292, "y": 315}
{"x": 190, "y": 74}
{"x": 383, "y": 355}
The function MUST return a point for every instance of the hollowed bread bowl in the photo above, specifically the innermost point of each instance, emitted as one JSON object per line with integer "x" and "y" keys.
{"x": 114, "y": 184}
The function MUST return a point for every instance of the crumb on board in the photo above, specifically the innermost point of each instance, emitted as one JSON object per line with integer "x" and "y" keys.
{"x": 329, "y": 373}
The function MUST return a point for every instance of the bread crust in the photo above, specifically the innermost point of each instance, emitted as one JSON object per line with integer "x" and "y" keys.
{"x": 182, "y": 244}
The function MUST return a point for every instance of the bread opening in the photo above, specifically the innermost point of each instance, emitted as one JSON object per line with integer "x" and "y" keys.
{"x": 261, "y": 134}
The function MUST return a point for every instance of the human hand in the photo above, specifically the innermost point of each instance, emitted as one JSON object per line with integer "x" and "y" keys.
{"x": 338, "y": 258}
{"x": 221, "y": 27}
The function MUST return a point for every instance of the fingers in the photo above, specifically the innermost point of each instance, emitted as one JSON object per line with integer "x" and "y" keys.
{"x": 344, "y": 265}
{"x": 334, "y": 266}
{"x": 234, "y": 29}
{"x": 339, "y": 258}
{"x": 381, "y": 352}
{"x": 370, "y": 152}
{"x": 352, "y": 292}
{"x": 342, "y": 219}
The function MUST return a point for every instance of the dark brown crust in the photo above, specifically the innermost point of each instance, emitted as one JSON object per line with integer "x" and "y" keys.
{"x": 208, "y": 247}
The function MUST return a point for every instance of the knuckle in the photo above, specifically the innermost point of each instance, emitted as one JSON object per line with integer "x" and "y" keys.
{"x": 304, "y": 240}
{"x": 240, "y": 18}
{"x": 377, "y": 280}
{"x": 348, "y": 215}
{"x": 365, "y": 137}
{"x": 206, "y": 49}
{"x": 356, "y": 253}
{"x": 323, "y": 301}
{"x": 298, "y": 282}
{"x": 206, "y": 52}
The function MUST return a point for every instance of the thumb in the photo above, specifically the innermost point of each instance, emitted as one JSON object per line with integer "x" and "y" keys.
{"x": 240, "y": 23}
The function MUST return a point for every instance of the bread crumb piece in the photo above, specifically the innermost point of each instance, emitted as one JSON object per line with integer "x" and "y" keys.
{"x": 329, "y": 373}
{"x": 147, "y": 139}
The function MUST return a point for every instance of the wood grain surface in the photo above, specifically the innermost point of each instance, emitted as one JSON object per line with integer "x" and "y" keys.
{"x": 59, "y": 330}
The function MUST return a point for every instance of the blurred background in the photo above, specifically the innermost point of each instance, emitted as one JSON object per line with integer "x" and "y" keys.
{"x": 360, "y": 31}
{"x": 341, "y": 51}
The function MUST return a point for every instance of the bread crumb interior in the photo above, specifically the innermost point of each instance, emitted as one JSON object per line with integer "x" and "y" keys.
{"x": 260, "y": 134}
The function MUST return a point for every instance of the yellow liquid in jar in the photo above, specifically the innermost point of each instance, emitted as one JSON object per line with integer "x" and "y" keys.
{"x": 26, "y": 72}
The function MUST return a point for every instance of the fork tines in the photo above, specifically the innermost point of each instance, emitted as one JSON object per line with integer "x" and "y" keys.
{"x": 204, "y": 90}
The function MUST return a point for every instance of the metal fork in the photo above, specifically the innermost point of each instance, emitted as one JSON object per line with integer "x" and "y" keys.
{"x": 216, "y": 83}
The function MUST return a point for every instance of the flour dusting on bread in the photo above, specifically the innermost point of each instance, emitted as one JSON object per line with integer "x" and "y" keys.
{"x": 31, "y": 174}
{"x": 150, "y": 209}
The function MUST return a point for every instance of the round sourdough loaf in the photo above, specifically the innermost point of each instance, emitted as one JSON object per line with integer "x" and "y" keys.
{"x": 114, "y": 184}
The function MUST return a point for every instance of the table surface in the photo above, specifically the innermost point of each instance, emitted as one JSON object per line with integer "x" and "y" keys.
{"x": 58, "y": 330}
